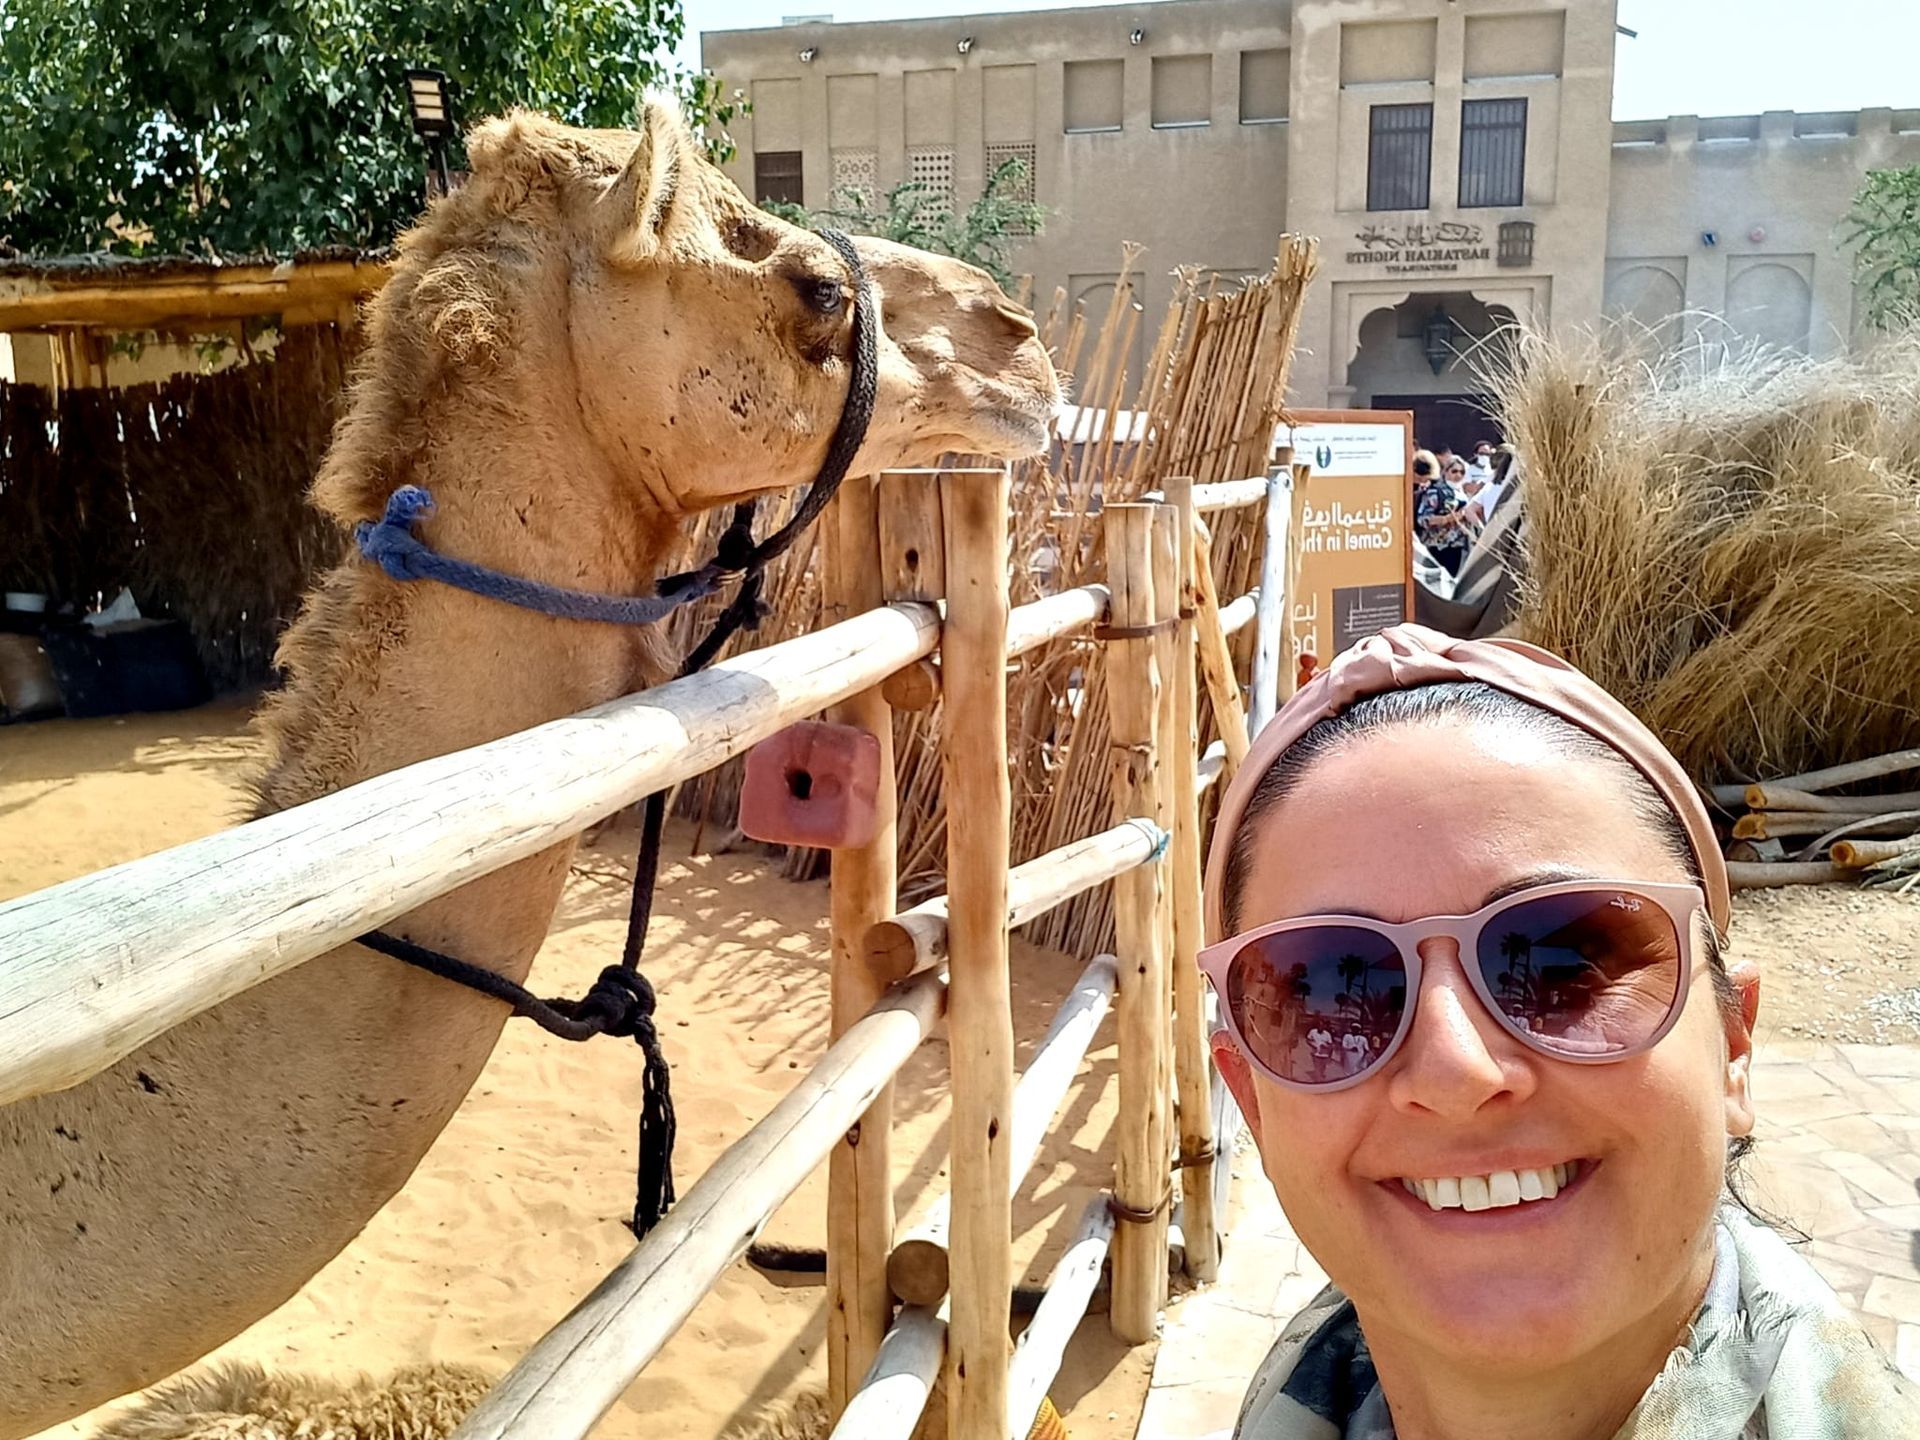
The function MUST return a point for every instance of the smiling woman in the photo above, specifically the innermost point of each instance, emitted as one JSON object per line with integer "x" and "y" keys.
{"x": 1499, "y": 1072}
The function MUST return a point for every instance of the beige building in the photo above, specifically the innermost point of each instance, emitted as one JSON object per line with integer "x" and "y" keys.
{"x": 1457, "y": 159}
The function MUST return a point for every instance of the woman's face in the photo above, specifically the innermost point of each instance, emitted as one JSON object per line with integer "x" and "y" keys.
{"x": 1432, "y": 819}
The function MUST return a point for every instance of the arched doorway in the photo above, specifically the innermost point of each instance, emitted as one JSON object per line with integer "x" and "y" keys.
{"x": 1429, "y": 354}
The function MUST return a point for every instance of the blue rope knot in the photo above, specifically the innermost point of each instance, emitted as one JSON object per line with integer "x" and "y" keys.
{"x": 390, "y": 542}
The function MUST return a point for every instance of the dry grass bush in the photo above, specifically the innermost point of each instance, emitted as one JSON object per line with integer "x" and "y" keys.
{"x": 1729, "y": 541}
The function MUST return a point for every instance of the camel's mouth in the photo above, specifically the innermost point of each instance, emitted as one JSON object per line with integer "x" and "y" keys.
{"x": 1010, "y": 433}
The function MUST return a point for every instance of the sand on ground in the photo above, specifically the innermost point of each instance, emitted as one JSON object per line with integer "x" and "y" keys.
{"x": 515, "y": 1213}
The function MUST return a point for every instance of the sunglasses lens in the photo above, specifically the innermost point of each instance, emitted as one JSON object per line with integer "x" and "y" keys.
{"x": 1318, "y": 1004}
{"x": 1592, "y": 973}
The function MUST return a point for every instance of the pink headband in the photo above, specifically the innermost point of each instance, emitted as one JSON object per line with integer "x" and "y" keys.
{"x": 1408, "y": 656}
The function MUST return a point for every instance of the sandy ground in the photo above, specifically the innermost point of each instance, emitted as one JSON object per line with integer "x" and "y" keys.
{"x": 515, "y": 1212}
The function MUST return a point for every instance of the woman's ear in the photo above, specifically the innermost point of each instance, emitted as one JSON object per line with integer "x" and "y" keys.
{"x": 1745, "y": 976}
{"x": 1238, "y": 1074}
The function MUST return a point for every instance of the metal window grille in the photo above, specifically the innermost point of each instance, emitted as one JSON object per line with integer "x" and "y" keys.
{"x": 1516, "y": 243}
{"x": 931, "y": 167}
{"x": 855, "y": 172}
{"x": 1023, "y": 151}
{"x": 1493, "y": 153}
{"x": 1399, "y": 156}
{"x": 777, "y": 176}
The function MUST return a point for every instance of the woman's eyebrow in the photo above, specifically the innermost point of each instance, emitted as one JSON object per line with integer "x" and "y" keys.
{"x": 1547, "y": 875}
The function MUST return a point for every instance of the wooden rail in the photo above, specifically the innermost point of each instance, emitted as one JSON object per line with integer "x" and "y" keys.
{"x": 578, "y": 1370}
{"x": 920, "y": 1267}
{"x": 97, "y": 967}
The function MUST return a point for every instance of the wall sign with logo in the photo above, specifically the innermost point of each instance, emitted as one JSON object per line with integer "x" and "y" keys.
{"x": 1420, "y": 248}
{"x": 1356, "y": 543}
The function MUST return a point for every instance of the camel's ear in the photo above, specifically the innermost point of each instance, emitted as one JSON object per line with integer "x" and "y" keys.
{"x": 643, "y": 197}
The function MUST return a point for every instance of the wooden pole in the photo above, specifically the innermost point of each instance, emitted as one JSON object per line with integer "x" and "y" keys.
{"x": 1140, "y": 1161}
{"x": 1853, "y": 771}
{"x": 1271, "y": 621}
{"x": 1043, "y": 1344}
{"x": 1760, "y": 875}
{"x": 980, "y": 1018}
{"x": 1192, "y": 1061}
{"x": 893, "y": 1396}
{"x": 862, "y": 892}
{"x": 580, "y": 1368}
{"x": 919, "y": 1270}
{"x": 92, "y": 969}
{"x": 916, "y": 938}
{"x": 1216, "y": 657}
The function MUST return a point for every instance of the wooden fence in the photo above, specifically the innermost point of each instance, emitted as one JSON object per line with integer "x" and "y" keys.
{"x": 916, "y": 569}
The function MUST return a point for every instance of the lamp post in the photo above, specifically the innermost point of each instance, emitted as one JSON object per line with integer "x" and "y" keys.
{"x": 431, "y": 106}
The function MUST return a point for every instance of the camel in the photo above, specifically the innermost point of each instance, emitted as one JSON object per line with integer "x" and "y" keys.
{"x": 593, "y": 338}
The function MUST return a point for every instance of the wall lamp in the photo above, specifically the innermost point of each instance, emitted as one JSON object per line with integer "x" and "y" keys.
{"x": 1136, "y": 36}
{"x": 966, "y": 44}
{"x": 806, "y": 55}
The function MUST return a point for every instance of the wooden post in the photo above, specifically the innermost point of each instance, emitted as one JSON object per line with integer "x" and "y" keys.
{"x": 860, "y": 1170}
{"x": 1180, "y": 762}
{"x": 1140, "y": 1174}
{"x": 1273, "y": 621}
{"x": 980, "y": 1019}
{"x": 1216, "y": 657}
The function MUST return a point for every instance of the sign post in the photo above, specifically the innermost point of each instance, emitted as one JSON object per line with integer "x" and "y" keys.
{"x": 1356, "y": 528}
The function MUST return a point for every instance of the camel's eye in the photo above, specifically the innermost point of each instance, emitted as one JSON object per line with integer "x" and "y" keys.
{"x": 822, "y": 293}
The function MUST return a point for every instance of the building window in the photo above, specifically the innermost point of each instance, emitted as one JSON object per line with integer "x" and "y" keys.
{"x": 1264, "y": 82}
{"x": 776, "y": 176}
{"x": 1399, "y": 155}
{"x": 1182, "y": 91}
{"x": 1095, "y": 94}
{"x": 1493, "y": 153}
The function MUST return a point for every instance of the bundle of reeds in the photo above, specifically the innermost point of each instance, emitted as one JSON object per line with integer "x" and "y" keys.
{"x": 1729, "y": 541}
{"x": 1212, "y": 397}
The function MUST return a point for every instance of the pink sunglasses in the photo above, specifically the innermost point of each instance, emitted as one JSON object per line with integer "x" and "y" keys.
{"x": 1586, "y": 971}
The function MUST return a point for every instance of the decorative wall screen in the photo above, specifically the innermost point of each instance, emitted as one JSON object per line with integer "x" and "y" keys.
{"x": 931, "y": 166}
{"x": 856, "y": 170}
{"x": 1023, "y": 151}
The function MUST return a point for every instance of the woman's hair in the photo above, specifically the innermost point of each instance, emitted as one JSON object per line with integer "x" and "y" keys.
{"x": 1424, "y": 464}
{"x": 1477, "y": 704}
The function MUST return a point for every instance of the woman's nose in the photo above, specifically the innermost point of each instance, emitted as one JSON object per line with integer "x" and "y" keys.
{"x": 1456, "y": 1058}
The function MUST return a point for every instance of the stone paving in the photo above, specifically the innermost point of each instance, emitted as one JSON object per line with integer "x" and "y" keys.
{"x": 1839, "y": 1156}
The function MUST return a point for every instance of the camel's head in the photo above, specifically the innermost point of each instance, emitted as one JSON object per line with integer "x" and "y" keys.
{"x": 709, "y": 343}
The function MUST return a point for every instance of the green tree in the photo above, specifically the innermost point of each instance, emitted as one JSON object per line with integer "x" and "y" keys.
{"x": 1884, "y": 228}
{"x": 270, "y": 126}
{"x": 983, "y": 234}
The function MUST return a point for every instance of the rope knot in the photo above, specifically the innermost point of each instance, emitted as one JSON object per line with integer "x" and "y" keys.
{"x": 389, "y": 541}
{"x": 621, "y": 1003}
{"x": 735, "y": 551}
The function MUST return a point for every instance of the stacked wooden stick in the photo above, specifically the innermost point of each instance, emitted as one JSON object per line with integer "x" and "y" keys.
{"x": 1798, "y": 830}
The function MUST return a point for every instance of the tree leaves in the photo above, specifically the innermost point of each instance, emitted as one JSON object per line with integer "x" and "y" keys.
{"x": 270, "y": 126}
{"x": 915, "y": 214}
{"x": 1885, "y": 226}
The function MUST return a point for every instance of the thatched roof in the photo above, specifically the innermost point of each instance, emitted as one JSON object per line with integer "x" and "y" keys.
{"x": 180, "y": 292}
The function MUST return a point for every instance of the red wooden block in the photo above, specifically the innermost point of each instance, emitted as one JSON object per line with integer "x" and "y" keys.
{"x": 812, "y": 784}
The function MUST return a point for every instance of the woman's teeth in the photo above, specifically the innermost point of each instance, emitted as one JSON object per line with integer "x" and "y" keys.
{"x": 1495, "y": 1191}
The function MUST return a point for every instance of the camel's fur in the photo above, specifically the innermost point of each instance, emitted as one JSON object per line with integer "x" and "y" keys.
{"x": 243, "y": 1402}
{"x": 595, "y": 337}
